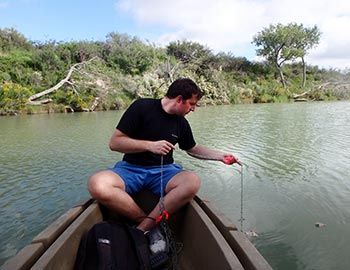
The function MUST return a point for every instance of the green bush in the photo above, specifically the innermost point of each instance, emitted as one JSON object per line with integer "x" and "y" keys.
{"x": 13, "y": 97}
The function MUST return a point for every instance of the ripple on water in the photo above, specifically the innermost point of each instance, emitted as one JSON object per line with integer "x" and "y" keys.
{"x": 296, "y": 173}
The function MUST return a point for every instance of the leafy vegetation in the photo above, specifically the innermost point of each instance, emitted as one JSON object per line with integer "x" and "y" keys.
{"x": 104, "y": 75}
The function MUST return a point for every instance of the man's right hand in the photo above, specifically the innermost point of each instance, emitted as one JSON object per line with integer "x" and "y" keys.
{"x": 161, "y": 147}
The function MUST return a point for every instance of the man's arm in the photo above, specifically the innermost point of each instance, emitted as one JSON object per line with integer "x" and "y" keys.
{"x": 121, "y": 142}
{"x": 203, "y": 152}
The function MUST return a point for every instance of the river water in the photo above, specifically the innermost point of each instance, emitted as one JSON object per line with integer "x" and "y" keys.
{"x": 296, "y": 173}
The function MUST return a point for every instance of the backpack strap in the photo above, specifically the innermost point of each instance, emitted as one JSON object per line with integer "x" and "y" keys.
{"x": 104, "y": 248}
{"x": 104, "y": 254}
{"x": 95, "y": 250}
{"x": 141, "y": 246}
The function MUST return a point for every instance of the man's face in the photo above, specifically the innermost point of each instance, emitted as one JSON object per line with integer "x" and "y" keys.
{"x": 188, "y": 105}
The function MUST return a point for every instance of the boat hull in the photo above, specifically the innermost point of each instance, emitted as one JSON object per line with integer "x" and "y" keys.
{"x": 210, "y": 240}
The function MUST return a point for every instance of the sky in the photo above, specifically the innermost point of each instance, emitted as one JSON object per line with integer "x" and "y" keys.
{"x": 222, "y": 25}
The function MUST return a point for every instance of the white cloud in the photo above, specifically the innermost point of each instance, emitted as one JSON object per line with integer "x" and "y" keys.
{"x": 229, "y": 25}
{"x": 333, "y": 50}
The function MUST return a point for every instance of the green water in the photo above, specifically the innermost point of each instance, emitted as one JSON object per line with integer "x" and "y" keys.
{"x": 296, "y": 173}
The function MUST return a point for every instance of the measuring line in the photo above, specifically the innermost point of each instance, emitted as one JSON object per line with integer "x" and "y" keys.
{"x": 242, "y": 217}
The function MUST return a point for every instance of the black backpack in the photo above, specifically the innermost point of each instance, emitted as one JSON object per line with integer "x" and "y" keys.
{"x": 112, "y": 246}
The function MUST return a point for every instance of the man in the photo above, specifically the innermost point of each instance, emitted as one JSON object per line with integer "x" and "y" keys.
{"x": 147, "y": 134}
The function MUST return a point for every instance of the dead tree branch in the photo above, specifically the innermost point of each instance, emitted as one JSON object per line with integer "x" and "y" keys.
{"x": 32, "y": 99}
{"x": 327, "y": 85}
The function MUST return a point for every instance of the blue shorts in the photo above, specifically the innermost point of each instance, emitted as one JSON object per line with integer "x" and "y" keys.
{"x": 138, "y": 178}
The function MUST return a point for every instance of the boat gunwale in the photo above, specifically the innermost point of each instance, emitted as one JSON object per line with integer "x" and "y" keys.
{"x": 240, "y": 245}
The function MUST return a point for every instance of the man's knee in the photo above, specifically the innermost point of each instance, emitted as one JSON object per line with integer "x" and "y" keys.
{"x": 101, "y": 183}
{"x": 187, "y": 182}
{"x": 95, "y": 185}
{"x": 194, "y": 184}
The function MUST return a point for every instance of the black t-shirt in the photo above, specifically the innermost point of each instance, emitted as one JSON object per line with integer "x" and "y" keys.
{"x": 145, "y": 119}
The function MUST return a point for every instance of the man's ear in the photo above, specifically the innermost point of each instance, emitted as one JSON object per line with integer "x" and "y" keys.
{"x": 179, "y": 99}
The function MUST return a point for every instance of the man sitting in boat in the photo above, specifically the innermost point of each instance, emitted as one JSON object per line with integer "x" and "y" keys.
{"x": 147, "y": 134}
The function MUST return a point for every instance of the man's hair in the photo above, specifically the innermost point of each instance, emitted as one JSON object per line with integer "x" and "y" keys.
{"x": 185, "y": 88}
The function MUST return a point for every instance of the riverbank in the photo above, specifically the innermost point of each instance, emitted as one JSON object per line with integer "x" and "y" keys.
{"x": 60, "y": 108}
{"x": 76, "y": 75}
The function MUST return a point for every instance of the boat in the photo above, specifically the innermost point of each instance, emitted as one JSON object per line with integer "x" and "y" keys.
{"x": 209, "y": 239}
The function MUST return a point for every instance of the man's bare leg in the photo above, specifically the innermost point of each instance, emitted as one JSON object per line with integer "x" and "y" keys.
{"x": 108, "y": 188}
{"x": 179, "y": 191}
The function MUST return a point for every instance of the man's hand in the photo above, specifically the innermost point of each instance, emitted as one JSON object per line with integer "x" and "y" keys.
{"x": 161, "y": 147}
{"x": 230, "y": 159}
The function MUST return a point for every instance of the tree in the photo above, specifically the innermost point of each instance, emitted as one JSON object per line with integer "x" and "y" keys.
{"x": 11, "y": 39}
{"x": 195, "y": 56}
{"x": 308, "y": 38}
{"x": 15, "y": 66}
{"x": 188, "y": 51}
{"x": 127, "y": 53}
{"x": 281, "y": 43}
{"x": 228, "y": 63}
